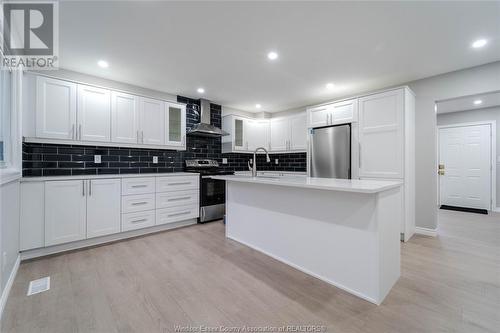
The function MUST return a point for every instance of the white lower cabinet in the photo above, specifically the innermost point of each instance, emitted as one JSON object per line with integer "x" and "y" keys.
{"x": 65, "y": 211}
{"x": 177, "y": 198}
{"x": 103, "y": 207}
{"x": 175, "y": 214}
{"x": 132, "y": 221}
{"x": 138, "y": 202}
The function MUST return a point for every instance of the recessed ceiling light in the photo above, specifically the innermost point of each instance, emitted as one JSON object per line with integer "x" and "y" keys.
{"x": 200, "y": 90}
{"x": 479, "y": 43}
{"x": 258, "y": 106}
{"x": 103, "y": 64}
{"x": 272, "y": 55}
{"x": 330, "y": 86}
{"x": 478, "y": 102}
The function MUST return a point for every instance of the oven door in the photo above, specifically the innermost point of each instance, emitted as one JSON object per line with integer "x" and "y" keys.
{"x": 213, "y": 198}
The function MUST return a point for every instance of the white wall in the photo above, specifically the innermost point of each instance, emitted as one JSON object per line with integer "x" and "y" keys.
{"x": 470, "y": 81}
{"x": 474, "y": 116}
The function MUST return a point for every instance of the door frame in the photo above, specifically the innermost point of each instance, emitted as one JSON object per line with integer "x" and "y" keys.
{"x": 493, "y": 169}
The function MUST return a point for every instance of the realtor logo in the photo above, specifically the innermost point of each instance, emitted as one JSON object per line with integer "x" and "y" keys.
{"x": 30, "y": 34}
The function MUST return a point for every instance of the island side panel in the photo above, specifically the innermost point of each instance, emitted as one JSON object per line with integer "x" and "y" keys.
{"x": 328, "y": 234}
{"x": 389, "y": 215}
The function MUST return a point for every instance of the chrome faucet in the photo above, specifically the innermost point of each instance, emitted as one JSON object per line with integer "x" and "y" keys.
{"x": 253, "y": 168}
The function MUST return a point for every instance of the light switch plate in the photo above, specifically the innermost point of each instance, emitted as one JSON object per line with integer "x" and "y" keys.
{"x": 275, "y": 161}
{"x": 224, "y": 161}
{"x": 155, "y": 159}
{"x": 97, "y": 158}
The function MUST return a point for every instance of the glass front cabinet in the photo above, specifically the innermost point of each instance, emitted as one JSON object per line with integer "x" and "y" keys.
{"x": 176, "y": 124}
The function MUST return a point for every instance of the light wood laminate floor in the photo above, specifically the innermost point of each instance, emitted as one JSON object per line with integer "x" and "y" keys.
{"x": 194, "y": 276}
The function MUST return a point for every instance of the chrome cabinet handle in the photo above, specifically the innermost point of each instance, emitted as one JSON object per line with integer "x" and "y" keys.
{"x": 177, "y": 214}
{"x": 142, "y": 137}
{"x": 83, "y": 188}
{"x": 136, "y": 186}
{"x": 184, "y": 183}
{"x": 137, "y": 221}
{"x": 90, "y": 188}
{"x": 139, "y": 203}
{"x": 137, "y": 136}
{"x": 80, "y": 131}
{"x": 73, "y": 132}
{"x": 177, "y": 199}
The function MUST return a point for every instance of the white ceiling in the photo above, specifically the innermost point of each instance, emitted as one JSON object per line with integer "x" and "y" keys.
{"x": 179, "y": 46}
{"x": 467, "y": 103}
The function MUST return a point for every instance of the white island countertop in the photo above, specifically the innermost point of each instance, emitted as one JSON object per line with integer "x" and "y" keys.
{"x": 328, "y": 184}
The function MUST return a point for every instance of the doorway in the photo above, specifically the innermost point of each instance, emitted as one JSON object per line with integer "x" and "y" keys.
{"x": 465, "y": 166}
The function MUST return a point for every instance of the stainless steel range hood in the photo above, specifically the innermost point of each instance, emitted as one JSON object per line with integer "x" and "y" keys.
{"x": 204, "y": 128}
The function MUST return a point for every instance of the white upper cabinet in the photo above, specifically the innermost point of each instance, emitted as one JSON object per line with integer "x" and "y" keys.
{"x": 124, "y": 118}
{"x": 298, "y": 132}
{"x": 94, "y": 114}
{"x": 381, "y": 138}
{"x": 152, "y": 121}
{"x": 258, "y": 134}
{"x": 55, "y": 109}
{"x": 332, "y": 114}
{"x": 237, "y": 140}
{"x": 65, "y": 212}
{"x": 176, "y": 124}
{"x": 280, "y": 130}
{"x": 103, "y": 207}
{"x": 318, "y": 116}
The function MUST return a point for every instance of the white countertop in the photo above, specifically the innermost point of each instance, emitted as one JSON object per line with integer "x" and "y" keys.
{"x": 329, "y": 184}
{"x": 126, "y": 175}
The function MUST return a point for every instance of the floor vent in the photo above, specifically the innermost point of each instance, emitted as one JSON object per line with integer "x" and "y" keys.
{"x": 465, "y": 209}
{"x": 38, "y": 286}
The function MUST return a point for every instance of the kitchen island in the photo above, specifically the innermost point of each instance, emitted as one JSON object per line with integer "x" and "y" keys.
{"x": 344, "y": 232}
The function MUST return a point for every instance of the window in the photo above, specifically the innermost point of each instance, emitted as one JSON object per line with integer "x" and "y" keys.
{"x": 5, "y": 113}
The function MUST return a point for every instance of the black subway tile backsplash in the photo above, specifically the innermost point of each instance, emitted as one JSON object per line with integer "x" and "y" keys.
{"x": 56, "y": 160}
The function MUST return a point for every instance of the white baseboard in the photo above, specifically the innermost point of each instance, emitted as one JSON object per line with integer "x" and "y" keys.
{"x": 8, "y": 285}
{"x": 426, "y": 231}
{"x": 496, "y": 209}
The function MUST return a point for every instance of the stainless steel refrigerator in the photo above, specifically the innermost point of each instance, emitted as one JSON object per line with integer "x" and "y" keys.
{"x": 330, "y": 152}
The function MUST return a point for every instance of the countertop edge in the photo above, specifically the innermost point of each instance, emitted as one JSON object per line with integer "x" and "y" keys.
{"x": 110, "y": 176}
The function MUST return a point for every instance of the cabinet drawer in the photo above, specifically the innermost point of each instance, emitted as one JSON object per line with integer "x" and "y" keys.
{"x": 177, "y": 198}
{"x": 138, "y": 203}
{"x": 167, "y": 184}
{"x": 174, "y": 214}
{"x": 138, "y": 185}
{"x": 132, "y": 221}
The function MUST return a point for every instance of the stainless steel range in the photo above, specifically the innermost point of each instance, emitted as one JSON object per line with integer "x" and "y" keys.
{"x": 212, "y": 191}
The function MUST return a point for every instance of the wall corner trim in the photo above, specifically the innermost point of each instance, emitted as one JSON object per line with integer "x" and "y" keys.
{"x": 426, "y": 231}
{"x": 8, "y": 285}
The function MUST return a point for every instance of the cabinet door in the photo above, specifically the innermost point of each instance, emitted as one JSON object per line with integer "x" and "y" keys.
{"x": 240, "y": 137}
{"x": 176, "y": 124}
{"x": 298, "y": 132}
{"x": 65, "y": 211}
{"x": 103, "y": 207}
{"x": 55, "y": 109}
{"x": 94, "y": 114}
{"x": 280, "y": 134}
{"x": 344, "y": 112}
{"x": 381, "y": 135}
{"x": 258, "y": 134}
{"x": 152, "y": 122}
{"x": 124, "y": 118}
{"x": 318, "y": 116}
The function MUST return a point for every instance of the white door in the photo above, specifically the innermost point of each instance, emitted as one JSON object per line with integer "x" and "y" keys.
{"x": 124, "y": 118}
{"x": 258, "y": 134}
{"x": 465, "y": 155}
{"x": 55, "y": 109}
{"x": 65, "y": 203}
{"x": 94, "y": 114}
{"x": 280, "y": 134}
{"x": 152, "y": 122}
{"x": 176, "y": 124}
{"x": 381, "y": 137}
{"x": 298, "y": 132}
{"x": 103, "y": 207}
{"x": 318, "y": 116}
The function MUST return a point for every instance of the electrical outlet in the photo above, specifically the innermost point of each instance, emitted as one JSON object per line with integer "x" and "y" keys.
{"x": 276, "y": 161}
{"x": 97, "y": 158}
{"x": 155, "y": 159}
{"x": 224, "y": 161}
